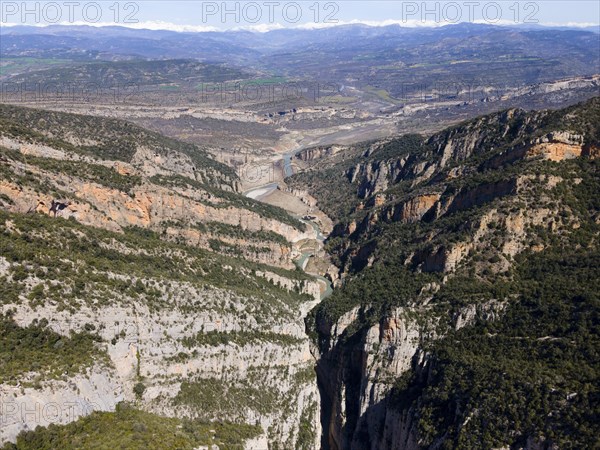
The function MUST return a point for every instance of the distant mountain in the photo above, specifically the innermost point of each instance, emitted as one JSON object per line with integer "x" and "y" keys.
{"x": 189, "y": 73}
{"x": 393, "y": 58}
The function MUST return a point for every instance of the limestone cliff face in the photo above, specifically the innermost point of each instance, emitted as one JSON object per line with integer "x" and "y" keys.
{"x": 150, "y": 345}
{"x": 375, "y": 177}
{"x": 58, "y": 402}
{"x": 463, "y": 206}
{"x": 412, "y": 210}
{"x": 557, "y": 146}
{"x": 164, "y": 347}
{"x": 151, "y": 206}
{"x": 304, "y": 197}
{"x": 235, "y": 353}
{"x": 357, "y": 373}
{"x": 105, "y": 140}
{"x": 451, "y": 146}
{"x": 430, "y": 207}
{"x": 314, "y": 153}
{"x": 305, "y": 287}
{"x": 443, "y": 153}
{"x": 434, "y": 171}
{"x": 461, "y": 142}
{"x": 177, "y": 208}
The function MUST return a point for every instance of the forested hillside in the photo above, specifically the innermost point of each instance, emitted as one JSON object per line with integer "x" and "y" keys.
{"x": 469, "y": 286}
{"x": 143, "y": 295}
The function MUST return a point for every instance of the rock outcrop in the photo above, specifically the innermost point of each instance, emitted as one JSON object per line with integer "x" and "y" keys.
{"x": 178, "y": 325}
{"x": 457, "y": 213}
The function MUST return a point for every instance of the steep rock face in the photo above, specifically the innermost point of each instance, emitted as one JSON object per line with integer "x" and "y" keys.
{"x": 151, "y": 163}
{"x": 314, "y": 153}
{"x": 58, "y": 402}
{"x": 557, "y": 146}
{"x": 183, "y": 332}
{"x": 150, "y": 347}
{"x": 304, "y": 197}
{"x": 137, "y": 198}
{"x": 435, "y": 172}
{"x": 167, "y": 347}
{"x": 305, "y": 287}
{"x": 357, "y": 374}
{"x": 151, "y": 206}
{"x": 418, "y": 162}
{"x": 479, "y": 195}
{"x": 442, "y": 259}
{"x": 441, "y": 156}
{"x": 398, "y": 337}
{"x": 462, "y": 210}
{"x": 556, "y": 151}
{"x": 427, "y": 207}
{"x": 356, "y": 377}
{"x": 374, "y": 177}
{"x": 265, "y": 252}
{"x": 461, "y": 142}
{"x": 109, "y": 140}
{"x": 412, "y": 210}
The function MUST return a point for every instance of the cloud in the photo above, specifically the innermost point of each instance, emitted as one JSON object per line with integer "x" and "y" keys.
{"x": 570, "y": 24}
{"x": 259, "y": 28}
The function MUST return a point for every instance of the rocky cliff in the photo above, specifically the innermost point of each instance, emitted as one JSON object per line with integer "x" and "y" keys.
{"x": 453, "y": 254}
{"x": 160, "y": 189}
{"x": 170, "y": 291}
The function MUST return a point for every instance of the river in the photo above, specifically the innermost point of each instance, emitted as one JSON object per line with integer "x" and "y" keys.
{"x": 261, "y": 192}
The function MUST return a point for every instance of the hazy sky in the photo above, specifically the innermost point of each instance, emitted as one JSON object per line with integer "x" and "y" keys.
{"x": 194, "y": 15}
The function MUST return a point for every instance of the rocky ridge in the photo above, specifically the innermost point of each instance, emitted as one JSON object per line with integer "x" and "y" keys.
{"x": 428, "y": 219}
{"x": 184, "y": 283}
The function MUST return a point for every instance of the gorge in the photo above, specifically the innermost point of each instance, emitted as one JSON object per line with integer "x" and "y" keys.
{"x": 139, "y": 277}
{"x": 370, "y": 258}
